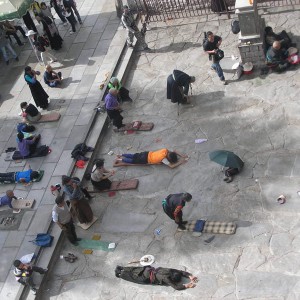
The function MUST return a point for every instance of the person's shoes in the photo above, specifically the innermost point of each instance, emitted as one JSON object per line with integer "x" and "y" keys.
{"x": 184, "y": 222}
{"x": 65, "y": 23}
{"x": 225, "y": 179}
{"x": 229, "y": 179}
{"x": 71, "y": 32}
{"x": 181, "y": 227}
{"x": 130, "y": 45}
{"x": 224, "y": 82}
{"x": 147, "y": 49}
{"x": 45, "y": 270}
{"x": 7, "y": 62}
{"x": 33, "y": 291}
{"x": 17, "y": 58}
{"x": 80, "y": 22}
{"x": 78, "y": 239}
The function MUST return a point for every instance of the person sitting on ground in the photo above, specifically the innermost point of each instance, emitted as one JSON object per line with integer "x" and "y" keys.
{"x": 23, "y": 274}
{"x": 113, "y": 108}
{"x": 99, "y": 175}
{"x": 30, "y": 112}
{"x": 277, "y": 57}
{"x": 162, "y": 156}
{"x": 52, "y": 78}
{"x": 173, "y": 205}
{"x": 7, "y": 200}
{"x": 178, "y": 84}
{"x": 123, "y": 94}
{"x": 282, "y": 37}
{"x": 24, "y": 177}
{"x": 229, "y": 174}
{"x": 27, "y": 147}
{"x": 156, "y": 276}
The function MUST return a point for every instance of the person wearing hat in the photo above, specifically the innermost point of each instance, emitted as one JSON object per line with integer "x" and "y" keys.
{"x": 173, "y": 205}
{"x": 157, "y": 276}
{"x": 210, "y": 46}
{"x": 178, "y": 84}
{"x": 5, "y": 46}
{"x": 23, "y": 274}
{"x": 99, "y": 175}
{"x": 113, "y": 108}
{"x": 39, "y": 95}
{"x": 132, "y": 30}
{"x": 123, "y": 93}
{"x": 62, "y": 217}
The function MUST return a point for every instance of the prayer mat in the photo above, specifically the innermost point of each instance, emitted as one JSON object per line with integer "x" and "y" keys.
{"x": 219, "y": 227}
{"x": 136, "y": 126}
{"x": 22, "y": 203}
{"x": 129, "y": 184}
{"x": 51, "y": 117}
{"x": 96, "y": 245}
{"x": 195, "y": 226}
{"x": 119, "y": 163}
{"x": 86, "y": 226}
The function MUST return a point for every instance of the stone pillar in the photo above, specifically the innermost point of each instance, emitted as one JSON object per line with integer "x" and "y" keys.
{"x": 251, "y": 38}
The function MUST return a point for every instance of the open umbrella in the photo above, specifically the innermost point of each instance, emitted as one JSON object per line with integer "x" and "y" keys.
{"x": 13, "y": 9}
{"x": 226, "y": 158}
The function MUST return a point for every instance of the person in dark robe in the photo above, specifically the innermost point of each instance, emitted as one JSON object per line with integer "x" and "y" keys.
{"x": 173, "y": 205}
{"x": 39, "y": 95}
{"x": 29, "y": 22}
{"x": 219, "y": 6}
{"x": 156, "y": 276}
{"x": 178, "y": 84}
{"x": 99, "y": 176}
{"x": 76, "y": 194}
{"x": 51, "y": 31}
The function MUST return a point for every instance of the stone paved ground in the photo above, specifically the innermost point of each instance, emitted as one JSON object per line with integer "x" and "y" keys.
{"x": 257, "y": 118}
{"x": 84, "y": 62}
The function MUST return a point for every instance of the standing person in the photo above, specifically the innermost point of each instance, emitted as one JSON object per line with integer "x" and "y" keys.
{"x": 114, "y": 83}
{"x": 80, "y": 205}
{"x": 63, "y": 218}
{"x": 57, "y": 7}
{"x": 99, "y": 176}
{"x": 51, "y": 31}
{"x": 132, "y": 30}
{"x": 39, "y": 95}
{"x": 27, "y": 147}
{"x": 113, "y": 108}
{"x": 30, "y": 112}
{"x": 23, "y": 274}
{"x": 46, "y": 10}
{"x": 4, "y": 46}
{"x": 10, "y": 29}
{"x": 52, "y": 78}
{"x": 29, "y": 22}
{"x": 211, "y": 46}
{"x": 178, "y": 84}
{"x": 68, "y": 13}
{"x": 173, "y": 205}
{"x": 71, "y": 4}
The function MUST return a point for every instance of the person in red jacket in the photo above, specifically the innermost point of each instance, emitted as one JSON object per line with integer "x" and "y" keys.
{"x": 173, "y": 205}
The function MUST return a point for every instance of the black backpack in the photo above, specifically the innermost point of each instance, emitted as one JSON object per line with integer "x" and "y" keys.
{"x": 235, "y": 26}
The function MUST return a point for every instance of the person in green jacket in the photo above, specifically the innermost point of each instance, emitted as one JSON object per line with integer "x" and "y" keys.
{"x": 123, "y": 93}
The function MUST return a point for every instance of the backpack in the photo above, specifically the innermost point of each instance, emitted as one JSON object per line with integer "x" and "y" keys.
{"x": 235, "y": 26}
{"x": 41, "y": 43}
{"x": 41, "y": 151}
{"x": 79, "y": 150}
{"x": 43, "y": 240}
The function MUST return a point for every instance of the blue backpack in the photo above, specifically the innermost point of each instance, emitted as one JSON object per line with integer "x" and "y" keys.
{"x": 43, "y": 240}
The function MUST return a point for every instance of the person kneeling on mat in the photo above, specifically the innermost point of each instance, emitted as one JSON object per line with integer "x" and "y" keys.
{"x": 99, "y": 176}
{"x": 156, "y": 276}
{"x": 173, "y": 205}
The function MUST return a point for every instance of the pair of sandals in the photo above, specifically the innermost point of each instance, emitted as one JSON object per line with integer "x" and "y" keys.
{"x": 228, "y": 179}
{"x": 70, "y": 257}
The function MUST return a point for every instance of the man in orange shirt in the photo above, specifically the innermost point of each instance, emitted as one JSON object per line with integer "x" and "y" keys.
{"x": 151, "y": 157}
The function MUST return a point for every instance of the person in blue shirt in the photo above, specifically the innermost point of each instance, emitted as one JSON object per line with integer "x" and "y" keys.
{"x": 24, "y": 177}
{"x": 7, "y": 198}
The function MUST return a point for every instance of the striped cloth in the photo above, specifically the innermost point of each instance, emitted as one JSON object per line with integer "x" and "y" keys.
{"x": 219, "y": 227}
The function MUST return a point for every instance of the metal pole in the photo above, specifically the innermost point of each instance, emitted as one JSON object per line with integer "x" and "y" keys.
{"x": 33, "y": 48}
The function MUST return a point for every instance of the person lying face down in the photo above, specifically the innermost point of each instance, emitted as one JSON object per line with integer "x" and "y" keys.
{"x": 150, "y": 157}
{"x": 156, "y": 276}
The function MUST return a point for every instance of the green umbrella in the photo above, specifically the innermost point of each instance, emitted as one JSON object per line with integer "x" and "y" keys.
{"x": 13, "y": 9}
{"x": 226, "y": 158}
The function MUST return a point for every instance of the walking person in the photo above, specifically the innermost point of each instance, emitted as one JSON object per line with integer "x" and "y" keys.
{"x": 29, "y": 22}
{"x": 211, "y": 47}
{"x": 81, "y": 207}
{"x": 10, "y": 29}
{"x": 67, "y": 12}
{"x": 5, "y": 46}
{"x": 132, "y": 30}
{"x": 39, "y": 95}
{"x": 57, "y": 7}
{"x": 63, "y": 218}
{"x": 71, "y": 4}
{"x": 173, "y": 205}
{"x": 23, "y": 274}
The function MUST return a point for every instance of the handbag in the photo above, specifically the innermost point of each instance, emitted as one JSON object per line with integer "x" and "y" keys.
{"x": 219, "y": 55}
